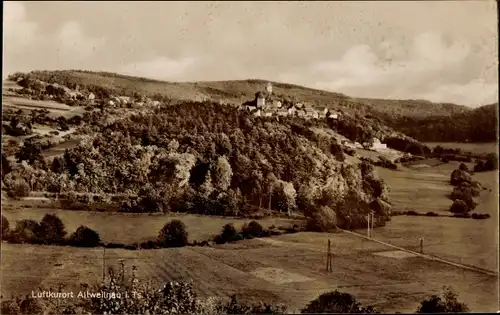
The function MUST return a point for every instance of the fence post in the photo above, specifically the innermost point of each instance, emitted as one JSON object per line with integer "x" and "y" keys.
{"x": 421, "y": 245}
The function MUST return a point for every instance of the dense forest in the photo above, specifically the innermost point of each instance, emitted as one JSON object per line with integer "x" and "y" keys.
{"x": 479, "y": 125}
{"x": 211, "y": 159}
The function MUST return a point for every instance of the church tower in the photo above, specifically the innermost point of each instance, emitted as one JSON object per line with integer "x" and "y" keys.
{"x": 269, "y": 88}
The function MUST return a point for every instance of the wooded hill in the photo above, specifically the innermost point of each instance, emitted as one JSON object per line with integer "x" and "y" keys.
{"x": 478, "y": 125}
{"x": 420, "y": 119}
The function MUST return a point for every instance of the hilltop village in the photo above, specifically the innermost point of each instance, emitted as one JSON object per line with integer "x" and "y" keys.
{"x": 267, "y": 104}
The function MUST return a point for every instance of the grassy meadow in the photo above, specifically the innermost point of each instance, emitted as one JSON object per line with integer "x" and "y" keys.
{"x": 288, "y": 268}
{"x": 488, "y": 147}
{"x": 135, "y": 228}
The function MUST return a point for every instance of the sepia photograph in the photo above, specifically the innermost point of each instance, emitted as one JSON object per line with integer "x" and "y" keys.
{"x": 250, "y": 157}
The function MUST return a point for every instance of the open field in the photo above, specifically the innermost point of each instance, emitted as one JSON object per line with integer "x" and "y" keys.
{"x": 130, "y": 228}
{"x": 56, "y": 109}
{"x": 427, "y": 188}
{"x": 293, "y": 264}
{"x": 473, "y": 242}
{"x": 489, "y": 147}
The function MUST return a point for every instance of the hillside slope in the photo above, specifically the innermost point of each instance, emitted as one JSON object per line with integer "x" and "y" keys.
{"x": 238, "y": 91}
{"x": 478, "y": 125}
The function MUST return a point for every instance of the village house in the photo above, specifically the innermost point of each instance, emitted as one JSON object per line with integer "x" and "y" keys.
{"x": 311, "y": 113}
{"x": 91, "y": 96}
{"x": 333, "y": 115}
{"x": 377, "y": 145}
{"x": 260, "y": 100}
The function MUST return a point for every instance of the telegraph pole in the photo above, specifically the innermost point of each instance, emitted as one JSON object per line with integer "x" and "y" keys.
{"x": 371, "y": 221}
{"x": 329, "y": 258}
{"x": 103, "y": 264}
{"x": 368, "y": 225}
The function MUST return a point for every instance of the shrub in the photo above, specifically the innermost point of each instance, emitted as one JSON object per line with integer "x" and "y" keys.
{"x": 480, "y": 216}
{"x": 322, "y": 220}
{"x": 432, "y": 214}
{"x": 459, "y": 207}
{"x": 447, "y": 303}
{"x": 149, "y": 245}
{"x": 137, "y": 297}
{"x": 458, "y": 177}
{"x": 466, "y": 191}
{"x": 411, "y": 213}
{"x": 85, "y": 237}
{"x": 26, "y": 231}
{"x": 228, "y": 234}
{"x": 10, "y": 307}
{"x": 173, "y": 234}
{"x": 464, "y": 194}
{"x": 234, "y": 306}
{"x": 336, "y": 302}
{"x": 5, "y": 227}
{"x": 479, "y": 167}
{"x": 52, "y": 229}
{"x": 19, "y": 189}
{"x": 252, "y": 229}
{"x": 463, "y": 167}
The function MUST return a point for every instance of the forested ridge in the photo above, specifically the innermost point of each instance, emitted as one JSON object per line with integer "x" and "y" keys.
{"x": 211, "y": 159}
{"x": 478, "y": 125}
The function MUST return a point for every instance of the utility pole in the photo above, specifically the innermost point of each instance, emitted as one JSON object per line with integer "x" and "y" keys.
{"x": 371, "y": 221}
{"x": 103, "y": 264}
{"x": 329, "y": 258}
{"x": 368, "y": 225}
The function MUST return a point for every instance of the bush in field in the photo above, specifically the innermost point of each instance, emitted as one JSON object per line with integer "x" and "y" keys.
{"x": 446, "y": 303}
{"x": 228, "y": 234}
{"x": 471, "y": 190}
{"x": 26, "y": 231}
{"x": 85, "y": 237}
{"x": 336, "y": 302}
{"x": 459, "y": 176}
{"x": 5, "y": 227}
{"x": 19, "y": 189}
{"x": 480, "y": 216}
{"x": 463, "y": 167}
{"x": 322, "y": 220}
{"x": 465, "y": 194}
{"x": 252, "y": 229}
{"x": 173, "y": 234}
{"x": 459, "y": 207}
{"x": 52, "y": 229}
{"x": 490, "y": 164}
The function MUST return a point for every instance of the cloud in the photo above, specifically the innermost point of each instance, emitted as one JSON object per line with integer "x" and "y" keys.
{"x": 18, "y": 32}
{"x": 475, "y": 93}
{"x": 427, "y": 70}
{"x": 161, "y": 68}
{"x": 27, "y": 46}
{"x": 72, "y": 40}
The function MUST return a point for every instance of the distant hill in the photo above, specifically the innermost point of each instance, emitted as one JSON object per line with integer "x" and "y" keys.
{"x": 419, "y": 119}
{"x": 478, "y": 125}
{"x": 238, "y": 91}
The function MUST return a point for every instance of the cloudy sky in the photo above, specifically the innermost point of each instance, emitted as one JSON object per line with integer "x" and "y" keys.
{"x": 441, "y": 51}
